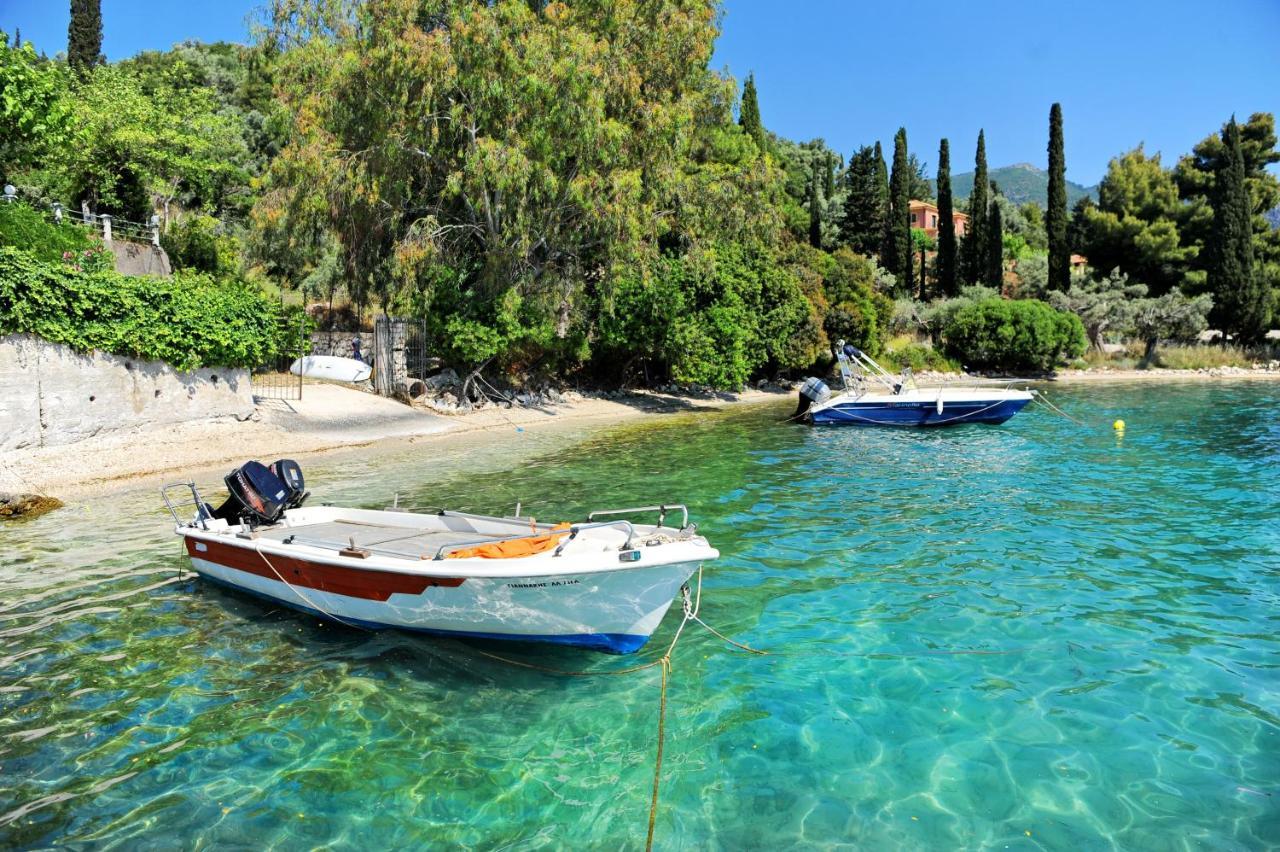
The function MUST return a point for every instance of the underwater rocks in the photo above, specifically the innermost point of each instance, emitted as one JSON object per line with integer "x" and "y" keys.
{"x": 26, "y": 505}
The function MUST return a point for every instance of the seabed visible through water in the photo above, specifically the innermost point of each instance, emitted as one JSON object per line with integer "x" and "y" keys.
{"x": 1036, "y": 635}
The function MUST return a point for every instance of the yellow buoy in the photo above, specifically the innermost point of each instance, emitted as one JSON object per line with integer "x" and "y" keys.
{"x": 1118, "y": 425}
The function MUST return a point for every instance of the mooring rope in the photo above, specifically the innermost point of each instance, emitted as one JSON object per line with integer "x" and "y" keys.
{"x": 306, "y": 600}
{"x": 1044, "y": 400}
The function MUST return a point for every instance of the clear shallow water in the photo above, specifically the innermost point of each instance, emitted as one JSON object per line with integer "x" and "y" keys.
{"x": 1027, "y": 636}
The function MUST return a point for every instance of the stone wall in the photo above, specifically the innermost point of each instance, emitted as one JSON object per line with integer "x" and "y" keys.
{"x": 50, "y": 394}
{"x": 339, "y": 343}
{"x": 140, "y": 259}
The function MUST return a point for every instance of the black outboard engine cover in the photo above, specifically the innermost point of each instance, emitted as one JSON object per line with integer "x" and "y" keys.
{"x": 290, "y": 473}
{"x": 257, "y": 495}
{"x": 811, "y": 392}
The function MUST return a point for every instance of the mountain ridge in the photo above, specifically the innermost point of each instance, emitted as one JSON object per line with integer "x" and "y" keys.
{"x": 1020, "y": 183}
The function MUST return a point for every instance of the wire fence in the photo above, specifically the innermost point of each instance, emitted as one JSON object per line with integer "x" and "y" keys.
{"x": 105, "y": 225}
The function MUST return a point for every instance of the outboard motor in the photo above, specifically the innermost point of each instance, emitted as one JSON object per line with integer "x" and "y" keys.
{"x": 289, "y": 472}
{"x": 812, "y": 392}
{"x": 257, "y": 496}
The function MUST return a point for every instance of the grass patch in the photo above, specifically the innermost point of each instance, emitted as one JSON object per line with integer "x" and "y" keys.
{"x": 1194, "y": 357}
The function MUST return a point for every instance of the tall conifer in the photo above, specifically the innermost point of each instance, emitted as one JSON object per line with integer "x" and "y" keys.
{"x": 749, "y": 113}
{"x": 995, "y": 244}
{"x": 945, "y": 265}
{"x": 1055, "y": 220}
{"x": 1241, "y": 304}
{"x": 84, "y": 35}
{"x": 815, "y": 204}
{"x": 895, "y": 250}
{"x": 882, "y": 183}
{"x": 863, "y": 217}
{"x": 973, "y": 251}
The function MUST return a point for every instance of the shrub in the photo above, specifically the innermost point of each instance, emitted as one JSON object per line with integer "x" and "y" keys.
{"x": 1002, "y": 334}
{"x": 918, "y": 357}
{"x": 29, "y": 229}
{"x": 198, "y": 242}
{"x": 188, "y": 320}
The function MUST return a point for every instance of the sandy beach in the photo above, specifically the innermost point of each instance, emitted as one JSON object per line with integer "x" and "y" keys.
{"x": 329, "y": 418}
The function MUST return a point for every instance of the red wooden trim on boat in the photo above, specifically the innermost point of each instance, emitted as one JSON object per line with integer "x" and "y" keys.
{"x": 369, "y": 584}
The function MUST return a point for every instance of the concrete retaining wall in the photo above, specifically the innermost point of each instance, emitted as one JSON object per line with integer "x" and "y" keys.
{"x": 51, "y": 395}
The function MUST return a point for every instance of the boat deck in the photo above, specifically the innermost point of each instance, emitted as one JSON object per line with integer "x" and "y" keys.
{"x": 383, "y": 539}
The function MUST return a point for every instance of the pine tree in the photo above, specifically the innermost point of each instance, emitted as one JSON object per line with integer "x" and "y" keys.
{"x": 1055, "y": 221}
{"x": 895, "y": 248}
{"x": 749, "y": 113}
{"x": 995, "y": 243}
{"x": 1239, "y": 293}
{"x": 815, "y": 204}
{"x": 945, "y": 265}
{"x": 84, "y": 35}
{"x": 863, "y": 217}
{"x": 973, "y": 251}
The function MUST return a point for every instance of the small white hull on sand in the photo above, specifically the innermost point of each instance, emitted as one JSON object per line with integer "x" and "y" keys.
{"x": 331, "y": 367}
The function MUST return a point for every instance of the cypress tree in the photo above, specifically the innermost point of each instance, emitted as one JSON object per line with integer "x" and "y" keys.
{"x": 1055, "y": 220}
{"x": 815, "y": 211}
{"x": 945, "y": 266}
{"x": 995, "y": 244}
{"x": 895, "y": 249}
{"x": 973, "y": 251}
{"x": 84, "y": 35}
{"x": 863, "y": 217}
{"x": 1239, "y": 294}
{"x": 882, "y": 183}
{"x": 829, "y": 177}
{"x": 749, "y": 113}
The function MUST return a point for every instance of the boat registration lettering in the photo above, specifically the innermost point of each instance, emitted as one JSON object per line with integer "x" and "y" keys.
{"x": 543, "y": 585}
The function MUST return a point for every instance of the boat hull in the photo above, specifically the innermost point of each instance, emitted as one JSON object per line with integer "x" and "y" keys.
{"x": 615, "y": 610}
{"x": 921, "y": 410}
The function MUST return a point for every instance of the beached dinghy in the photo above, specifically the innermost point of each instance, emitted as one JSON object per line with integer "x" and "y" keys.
{"x": 331, "y": 367}
{"x": 602, "y": 584}
{"x": 875, "y": 397}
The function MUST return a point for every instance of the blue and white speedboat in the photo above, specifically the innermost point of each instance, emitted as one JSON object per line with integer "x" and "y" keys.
{"x": 874, "y": 397}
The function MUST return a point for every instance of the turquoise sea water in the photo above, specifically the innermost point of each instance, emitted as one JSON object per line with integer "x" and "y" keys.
{"x": 1029, "y": 636}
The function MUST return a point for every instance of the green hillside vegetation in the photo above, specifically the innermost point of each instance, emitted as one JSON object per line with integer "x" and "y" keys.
{"x": 1021, "y": 183}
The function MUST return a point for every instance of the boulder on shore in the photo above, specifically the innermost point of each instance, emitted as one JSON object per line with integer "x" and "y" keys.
{"x": 26, "y": 505}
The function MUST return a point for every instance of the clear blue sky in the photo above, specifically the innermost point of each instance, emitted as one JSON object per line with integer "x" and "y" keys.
{"x": 1126, "y": 71}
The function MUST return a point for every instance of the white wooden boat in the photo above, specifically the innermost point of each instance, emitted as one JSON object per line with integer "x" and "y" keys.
{"x": 331, "y": 367}
{"x": 604, "y": 583}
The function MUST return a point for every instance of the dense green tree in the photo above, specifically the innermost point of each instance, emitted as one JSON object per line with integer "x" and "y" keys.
{"x": 1171, "y": 316}
{"x": 862, "y": 219}
{"x": 1056, "y": 214}
{"x": 1078, "y": 225}
{"x": 974, "y": 249}
{"x": 1105, "y": 303}
{"x": 1134, "y": 225}
{"x": 84, "y": 35}
{"x": 749, "y": 113}
{"x": 882, "y": 182}
{"x": 1195, "y": 176}
{"x": 33, "y": 108}
{"x": 815, "y": 207}
{"x": 895, "y": 248}
{"x": 1032, "y": 228}
{"x": 829, "y": 176}
{"x": 127, "y": 150}
{"x": 921, "y": 245}
{"x": 945, "y": 266}
{"x": 1242, "y": 302}
{"x": 919, "y": 186}
{"x": 995, "y": 244}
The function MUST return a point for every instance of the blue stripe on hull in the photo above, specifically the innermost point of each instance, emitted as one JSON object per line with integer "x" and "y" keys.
{"x": 610, "y": 643}
{"x": 916, "y": 413}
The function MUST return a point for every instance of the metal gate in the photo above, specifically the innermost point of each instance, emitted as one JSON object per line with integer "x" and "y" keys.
{"x": 399, "y": 353}
{"x": 272, "y": 379}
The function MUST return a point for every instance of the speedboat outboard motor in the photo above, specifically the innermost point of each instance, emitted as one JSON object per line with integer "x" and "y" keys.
{"x": 257, "y": 496}
{"x": 812, "y": 392}
{"x": 289, "y": 472}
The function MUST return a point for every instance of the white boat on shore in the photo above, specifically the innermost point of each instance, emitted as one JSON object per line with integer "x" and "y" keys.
{"x": 600, "y": 584}
{"x": 331, "y": 367}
